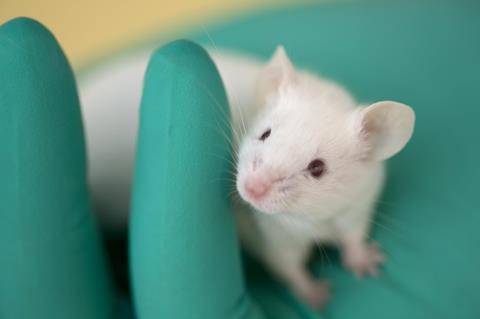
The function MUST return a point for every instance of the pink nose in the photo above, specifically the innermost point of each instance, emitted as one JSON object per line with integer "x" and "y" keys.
{"x": 256, "y": 187}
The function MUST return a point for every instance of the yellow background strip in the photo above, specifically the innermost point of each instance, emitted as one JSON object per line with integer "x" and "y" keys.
{"x": 89, "y": 29}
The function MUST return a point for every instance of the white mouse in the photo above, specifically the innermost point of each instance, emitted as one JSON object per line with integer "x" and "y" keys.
{"x": 309, "y": 165}
{"x": 309, "y": 159}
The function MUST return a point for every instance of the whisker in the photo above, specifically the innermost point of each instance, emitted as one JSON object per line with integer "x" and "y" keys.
{"x": 208, "y": 36}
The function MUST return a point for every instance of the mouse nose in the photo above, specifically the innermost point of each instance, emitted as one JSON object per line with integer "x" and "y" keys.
{"x": 257, "y": 187}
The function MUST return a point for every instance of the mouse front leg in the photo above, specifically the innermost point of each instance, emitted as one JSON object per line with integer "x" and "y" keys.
{"x": 285, "y": 256}
{"x": 312, "y": 291}
{"x": 289, "y": 265}
{"x": 359, "y": 255}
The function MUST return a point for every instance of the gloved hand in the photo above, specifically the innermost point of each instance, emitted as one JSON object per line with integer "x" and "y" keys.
{"x": 184, "y": 253}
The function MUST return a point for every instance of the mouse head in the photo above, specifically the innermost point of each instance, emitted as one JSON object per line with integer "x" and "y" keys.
{"x": 311, "y": 147}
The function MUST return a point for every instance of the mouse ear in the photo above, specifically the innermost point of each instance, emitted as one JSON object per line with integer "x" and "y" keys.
{"x": 279, "y": 72}
{"x": 386, "y": 126}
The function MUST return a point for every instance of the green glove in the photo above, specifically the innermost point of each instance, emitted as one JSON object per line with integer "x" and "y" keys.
{"x": 184, "y": 252}
{"x": 51, "y": 261}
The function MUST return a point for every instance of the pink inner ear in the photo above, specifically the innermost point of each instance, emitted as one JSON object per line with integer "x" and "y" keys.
{"x": 363, "y": 131}
{"x": 386, "y": 127}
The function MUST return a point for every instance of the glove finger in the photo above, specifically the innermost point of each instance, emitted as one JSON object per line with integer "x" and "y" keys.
{"x": 51, "y": 261}
{"x": 185, "y": 257}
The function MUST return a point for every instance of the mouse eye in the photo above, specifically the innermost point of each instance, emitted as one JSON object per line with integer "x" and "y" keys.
{"x": 316, "y": 168}
{"x": 265, "y": 135}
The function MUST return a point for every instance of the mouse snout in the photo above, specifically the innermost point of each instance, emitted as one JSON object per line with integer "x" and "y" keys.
{"x": 257, "y": 187}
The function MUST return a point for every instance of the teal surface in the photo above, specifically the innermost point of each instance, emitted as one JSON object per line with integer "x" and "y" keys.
{"x": 51, "y": 262}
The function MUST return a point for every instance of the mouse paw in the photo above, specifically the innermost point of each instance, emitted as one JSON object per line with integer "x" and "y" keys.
{"x": 316, "y": 294}
{"x": 365, "y": 259}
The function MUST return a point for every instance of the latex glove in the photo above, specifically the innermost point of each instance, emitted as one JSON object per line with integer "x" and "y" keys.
{"x": 51, "y": 261}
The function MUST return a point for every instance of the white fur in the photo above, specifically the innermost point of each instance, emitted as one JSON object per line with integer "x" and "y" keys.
{"x": 309, "y": 118}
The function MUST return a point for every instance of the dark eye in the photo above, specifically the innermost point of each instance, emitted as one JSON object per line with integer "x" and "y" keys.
{"x": 265, "y": 135}
{"x": 316, "y": 168}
